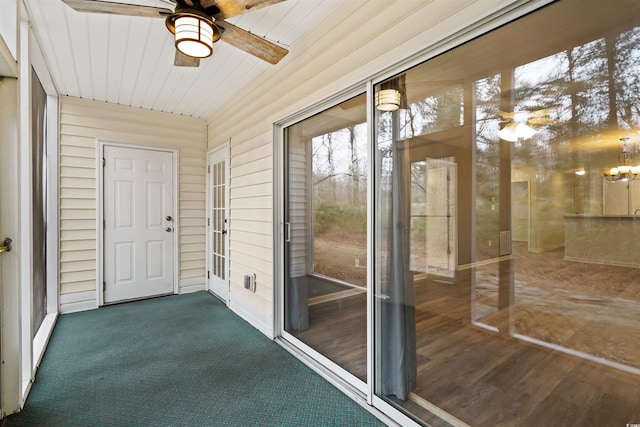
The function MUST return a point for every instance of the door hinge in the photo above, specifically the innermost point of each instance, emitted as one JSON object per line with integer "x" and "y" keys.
{"x": 104, "y": 223}
{"x": 208, "y": 274}
{"x": 208, "y": 223}
{"x": 104, "y": 162}
{"x": 104, "y": 286}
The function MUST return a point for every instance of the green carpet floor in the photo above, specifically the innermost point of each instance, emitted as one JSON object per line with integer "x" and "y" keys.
{"x": 176, "y": 361}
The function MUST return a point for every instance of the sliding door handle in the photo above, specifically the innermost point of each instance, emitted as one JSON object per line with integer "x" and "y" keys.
{"x": 6, "y": 245}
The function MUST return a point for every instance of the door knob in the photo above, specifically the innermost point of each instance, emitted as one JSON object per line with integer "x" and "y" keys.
{"x": 168, "y": 218}
{"x": 168, "y": 229}
{"x": 6, "y": 245}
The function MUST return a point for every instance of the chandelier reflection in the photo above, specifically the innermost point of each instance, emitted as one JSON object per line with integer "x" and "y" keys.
{"x": 624, "y": 171}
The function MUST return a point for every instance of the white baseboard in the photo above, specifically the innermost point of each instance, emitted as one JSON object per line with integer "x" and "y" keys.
{"x": 193, "y": 284}
{"x": 82, "y": 301}
{"x": 260, "y": 321}
{"x": 41, "y": 339}
{"x": 547, "y": 248}
{"x": 78, "y": 301}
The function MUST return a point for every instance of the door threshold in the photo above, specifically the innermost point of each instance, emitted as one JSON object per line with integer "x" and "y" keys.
{"x": 124, "y": 301}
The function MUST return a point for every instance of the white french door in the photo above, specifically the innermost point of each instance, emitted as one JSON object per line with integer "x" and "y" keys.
{"x": 139, "y": 223}
{"x": 217, "y": 223}
{"x": 441, "y": 217}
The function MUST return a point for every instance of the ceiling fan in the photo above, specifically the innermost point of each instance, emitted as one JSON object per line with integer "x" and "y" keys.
{"x": 197, "y": 24}
{"x": 518, "y": 123}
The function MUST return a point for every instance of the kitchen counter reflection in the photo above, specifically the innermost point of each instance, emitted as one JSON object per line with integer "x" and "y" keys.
{"x": 602, "y": 239}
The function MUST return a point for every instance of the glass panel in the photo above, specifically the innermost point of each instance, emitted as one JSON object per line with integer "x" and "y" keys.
{"x": 325, "y": 302}
{"x": 39, "y": 202}
{"x": 218, "y": 223}
{"x": 506, "y": 212}
{"x": 222, "y": 183}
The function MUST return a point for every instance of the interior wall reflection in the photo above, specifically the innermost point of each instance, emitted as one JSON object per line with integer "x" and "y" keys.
{"x": 506, "y": 279}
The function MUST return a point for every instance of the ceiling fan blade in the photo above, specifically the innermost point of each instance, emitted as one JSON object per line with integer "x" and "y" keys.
{"x": 230, "y": 8}
{"x": 182, "y": 60}
{"x": 541, "y": 117}
{"x": 505, "y": 115}
{"x": 97, "y": 6}
{"x": 250, "y": 43}
{"x": 539, "y": 121}
{"x": 544, "y": 112}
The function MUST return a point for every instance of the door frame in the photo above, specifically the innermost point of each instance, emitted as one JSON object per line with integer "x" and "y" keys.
{"x": 222, "y": 149}
{"x": 20, "y": 351}
{"x": 100, "y": 212}
{"x": 527, "y": 182}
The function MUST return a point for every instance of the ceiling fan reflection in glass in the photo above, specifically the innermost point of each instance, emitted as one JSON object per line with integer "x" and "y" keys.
{"x": 518, "y": 124}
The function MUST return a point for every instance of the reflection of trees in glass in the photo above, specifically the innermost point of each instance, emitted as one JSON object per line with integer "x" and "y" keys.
{"x": 434, "y": 113}
{"x": 339, "y": 166}
{"x": 586, "y": 89}
{"x": 542, "y": 85}
{"x": 593, "y": 89}
{"x": 627, "y": 77}
{"x": 487, "y": 101}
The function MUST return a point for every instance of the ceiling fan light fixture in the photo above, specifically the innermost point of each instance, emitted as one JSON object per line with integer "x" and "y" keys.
{"x": 194, "y": 32}
{"x": 515, "y": 131}
{"x": 388, "y": 100}
{"x": 194, "y": 36}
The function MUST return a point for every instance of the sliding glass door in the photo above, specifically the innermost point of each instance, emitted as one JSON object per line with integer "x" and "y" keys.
{"x": 505, "y": 213}
{"x": 502, "y": 272}
{"x": 326, "y": 234}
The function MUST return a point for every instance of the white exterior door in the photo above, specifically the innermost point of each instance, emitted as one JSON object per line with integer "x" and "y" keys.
{"x": 139, "y": 225}
{"x": 11, "y": 284}
{"x": 217, "y": 224}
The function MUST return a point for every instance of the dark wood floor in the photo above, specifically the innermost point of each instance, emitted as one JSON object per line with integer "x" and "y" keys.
{"x": 337, "y": 329}
{"x": 487, "y": 378}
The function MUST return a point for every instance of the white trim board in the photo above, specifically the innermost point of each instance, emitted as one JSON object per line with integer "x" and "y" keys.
{"x": 42, "y": 337}
{"x": 193, "y": 284}
{"x": 260, "y": 321}
{"x": 78, "y": 301}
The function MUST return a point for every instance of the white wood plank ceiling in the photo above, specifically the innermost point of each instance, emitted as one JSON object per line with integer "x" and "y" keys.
{"x": 129, "y": 60}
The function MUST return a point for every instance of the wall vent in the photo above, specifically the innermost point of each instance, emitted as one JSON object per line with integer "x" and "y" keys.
{"x": 250, "y": 282}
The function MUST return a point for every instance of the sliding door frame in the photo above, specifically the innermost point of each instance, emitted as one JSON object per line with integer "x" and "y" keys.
{"x": 350, "y": 384}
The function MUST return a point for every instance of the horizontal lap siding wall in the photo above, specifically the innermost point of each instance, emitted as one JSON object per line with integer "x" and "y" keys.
{"x": 250, "y": 225}
{"x": 82, "y": 124}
